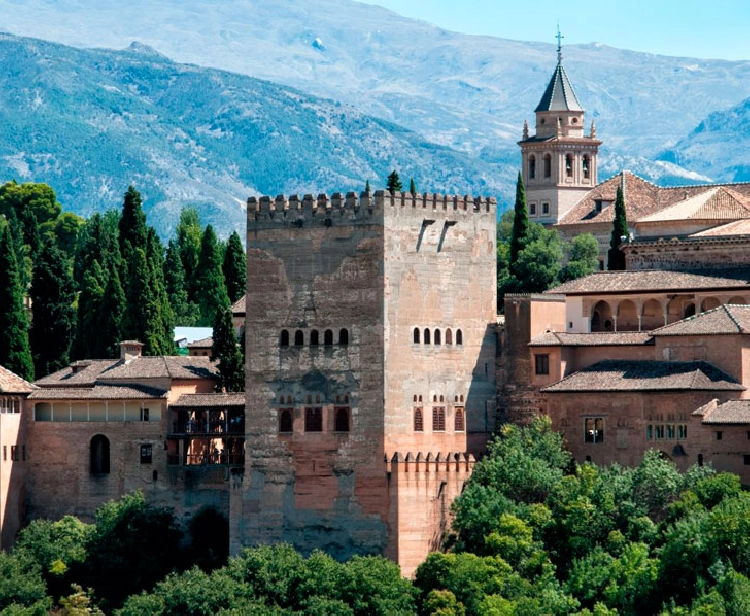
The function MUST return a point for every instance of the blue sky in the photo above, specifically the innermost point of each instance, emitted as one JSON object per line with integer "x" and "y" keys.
{"x": 694, "y": 28}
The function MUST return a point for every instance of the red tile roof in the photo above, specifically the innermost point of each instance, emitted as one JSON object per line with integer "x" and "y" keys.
{"x": 98, "y": 392}
{"x": 11, "y": 383}
{"x": 628, "y": 376}
{"x": 593, "y": 339}
{"x": 732, "y": 412}
{"x": 218, "y": 399}
{"x": 726, "y": 319}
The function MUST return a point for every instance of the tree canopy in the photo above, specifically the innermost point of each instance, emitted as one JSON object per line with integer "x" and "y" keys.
{"x": 393, "y": 183}
{"x": 620, "y": 232}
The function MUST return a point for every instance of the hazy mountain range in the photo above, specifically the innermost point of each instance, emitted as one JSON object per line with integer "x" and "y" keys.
{"x": 449, "y": 107}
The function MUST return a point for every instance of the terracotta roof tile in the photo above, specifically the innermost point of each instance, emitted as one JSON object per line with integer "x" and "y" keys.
{"x": 593, "y": 339}
{"x": 98, "y": 392}
{"x": 731, "y": 412}
{"x": 172, "y": 367}
{"x": 736, "y": 227}
{"x": 79, "y": 374}
{"x": 642, "y": 198}
{"x": 726, "y": 319}
{"x": 625, "y": 375}
{"x": 203, "y": 343}
{"x": 218, "y": 399}
{"x": 629, "y": 281}
{"x": 717, "y": 203}
{"x": 11, "y": 383}
{"x": 238, "y": 307}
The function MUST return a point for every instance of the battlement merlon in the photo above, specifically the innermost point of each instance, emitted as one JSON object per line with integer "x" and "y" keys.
{"x": 293, "y": 209}
{"x": 460, "y": 463}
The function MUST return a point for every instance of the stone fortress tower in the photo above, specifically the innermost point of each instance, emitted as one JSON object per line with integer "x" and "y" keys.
{"x": 559, "y": 162}
{"x": 370, "y": 369}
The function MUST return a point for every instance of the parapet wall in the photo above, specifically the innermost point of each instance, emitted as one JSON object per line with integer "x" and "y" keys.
{"x": 295, "y": 209}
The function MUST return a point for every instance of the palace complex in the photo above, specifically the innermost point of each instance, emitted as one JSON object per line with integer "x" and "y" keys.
{"x": 378, "y": 368}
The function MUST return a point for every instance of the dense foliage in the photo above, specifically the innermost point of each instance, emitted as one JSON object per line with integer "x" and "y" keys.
{"x": 109, "y": 274}
{"x": 537, "y": 533}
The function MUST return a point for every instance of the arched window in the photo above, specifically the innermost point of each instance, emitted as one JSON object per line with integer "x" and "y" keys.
{"x": 418, "y": 420}
{"x": 284, "y": 338}
{"x": 426, "y": 336}
{"x": 568, "y": 165}
{"x": 285, "y": 420}
{"x": 344, "y": 337}
{"x": 437, "y": 337}
{"x": 438, "y": 419}
{"x": 342, "y": 419}
{"x": 459, "y": 337}
{"x": 586, "y": 167}
{"x": 547, "y": 162}
{"x": 99, "y": 450}
{"x": 328, "y": 337}
{"x": 314, "y": 338}
{"x": 448, "y": 336}
{"x": 416, "y": 335}
{"x": 459, "y": 420}
{"x": 532, "y": 167}
{"x": 299, "y": 338}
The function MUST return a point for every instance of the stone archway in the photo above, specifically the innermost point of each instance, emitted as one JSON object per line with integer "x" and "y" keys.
{"x": 737, "y": 300}
{"x": 652, "y": 315}
{"x": 709, "y": 303}
{"x": 627, "y": 316}
{"x": 601, "y": 317}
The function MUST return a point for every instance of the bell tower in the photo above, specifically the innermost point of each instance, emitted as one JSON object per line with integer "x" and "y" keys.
{"x": 559, "y": 162}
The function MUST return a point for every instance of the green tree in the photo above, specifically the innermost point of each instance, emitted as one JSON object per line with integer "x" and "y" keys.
{"x": 15, "y": 353}
{"x": 22, "y": 588}
{"x": 225, "y": 349}
{"x": 234, "y": 267}
{"x": 164, "y": 317}
{"x": 185, "y": 312}
{"x": 132, "y": 546}
{"x": 393, "y": 183}
{"x": 86, "y": 346}
{"x": 367, "y": 186}
{"x": 132, "y": 225}
{"x": 413, "y": 187}
{"x": 615, "y": 256}
{"x": 520, "y": 226}
{"x": 66, "y": 230}
{"x": 212, "y": 292}
{"x": 111, "y": 315}
{"x": 189, "y": 234}
{"x": 53, "y": 320}
{"x": 538, "y": 263}
{"x": 36, "y": 207}
{"x": 97, "y": 241}
{"x": 583, "y": 257}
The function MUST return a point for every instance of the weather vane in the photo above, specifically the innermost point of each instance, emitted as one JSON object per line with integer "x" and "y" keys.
{"x": 560, "y": 37}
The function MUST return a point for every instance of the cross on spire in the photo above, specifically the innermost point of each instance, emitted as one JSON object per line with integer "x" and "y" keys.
{"x": 559, "y": 37}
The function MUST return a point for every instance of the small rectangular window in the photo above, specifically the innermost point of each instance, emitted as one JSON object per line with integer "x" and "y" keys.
{"x": 532, "y": 209}
{"x": 670, "y": 431}
{"x": 438, "y": 419}
{"x": 146, "y": 454}
{"x": 341, "y": 419}
{"x": 659, "y": 433}
{"x": 746, "y": 460}
{"x": 14, "y": 453}
{"x": 418, "y": 420}
{"x": 313, "y": 419}
{"x": 545, "y": 209}
{"x": 144, "y": 414}
{"x": 681, "y": 432}
{"x": 5, "y": 453}
{"x": 719, "y": 435}
{"x": 541, "y": 364}
{"x": 593, "y": 430}
{"x": 23, "y": 453}
{"x": 649, "y": 432}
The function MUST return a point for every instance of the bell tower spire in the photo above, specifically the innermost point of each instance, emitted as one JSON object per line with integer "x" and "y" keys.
{"x": 559, "y": 162}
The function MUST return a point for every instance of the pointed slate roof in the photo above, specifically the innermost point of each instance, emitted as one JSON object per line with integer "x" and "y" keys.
{"x": 559, "y": 95}
{"x": 726, "y": 319}
{"x": 629, "y": 376}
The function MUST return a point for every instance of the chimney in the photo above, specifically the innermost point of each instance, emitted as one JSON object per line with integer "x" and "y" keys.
{"x": 130, "y": 349}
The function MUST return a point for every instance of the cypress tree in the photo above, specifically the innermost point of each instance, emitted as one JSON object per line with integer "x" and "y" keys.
{"x": 394, "y": 182}
{"x": 615, "y": 256}
{"x": 85, "y": 346}
{"x": 15, "y": 354}
{"x": 97, "y": 241}
{"x": 132, "y": 224}
{"x": 111, "y": 314}
{"x": 189, "y": 234}
{"x": 367, "y": 186}
{"x": 210, "y": 286}
{"x": 224, "y": 348}
{"x": 53, "y": 313}
{"x": 413, "y": 187}
{"x": 185, "y": 313}
{"x": 141, "y": 319}
{"x": 234, "y": 267}
{"x": 520, "y": 223}
{"x": 164, "y": 317}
